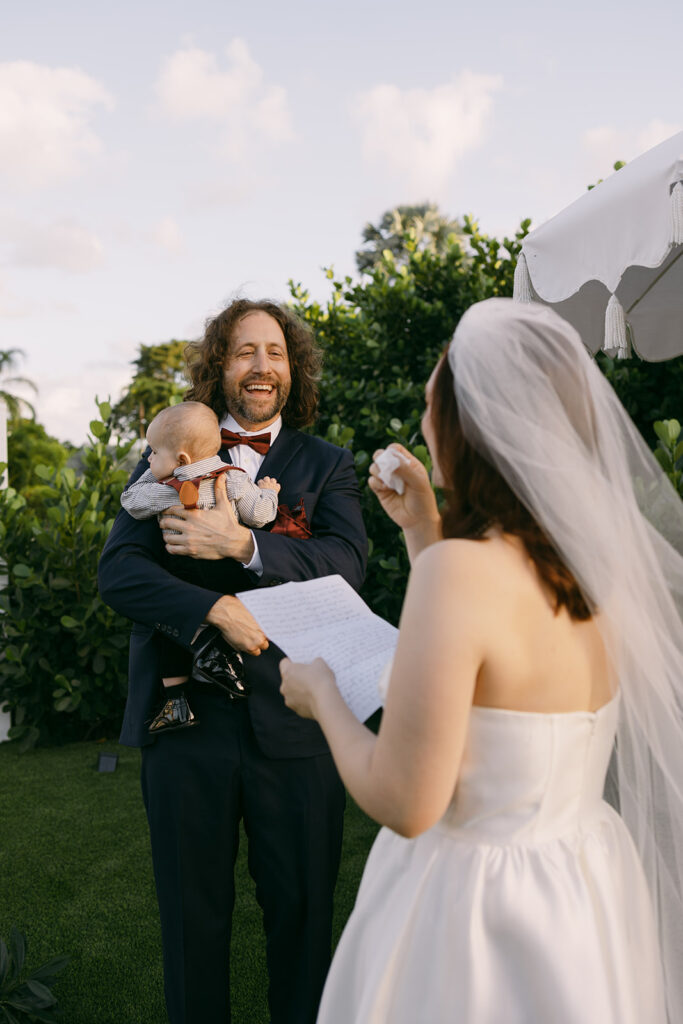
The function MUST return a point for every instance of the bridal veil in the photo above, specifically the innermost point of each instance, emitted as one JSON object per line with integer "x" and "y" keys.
{"x": 532, "y": 400}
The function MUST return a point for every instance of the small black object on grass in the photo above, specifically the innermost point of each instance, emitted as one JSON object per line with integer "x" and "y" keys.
{"x": 107, "y": 762}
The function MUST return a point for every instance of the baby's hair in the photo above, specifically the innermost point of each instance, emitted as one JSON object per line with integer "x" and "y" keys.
{"x": 191, "y": 427}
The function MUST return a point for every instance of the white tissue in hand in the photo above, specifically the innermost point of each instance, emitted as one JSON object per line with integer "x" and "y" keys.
{"x": 387, "y": 463}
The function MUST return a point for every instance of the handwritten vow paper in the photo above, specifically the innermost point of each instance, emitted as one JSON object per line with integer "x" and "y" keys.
{"x": 325, "y": 618}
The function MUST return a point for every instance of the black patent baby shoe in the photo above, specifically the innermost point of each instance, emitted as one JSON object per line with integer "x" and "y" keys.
{"x": 175, "y": 714}
{"x": 216, "y": 663}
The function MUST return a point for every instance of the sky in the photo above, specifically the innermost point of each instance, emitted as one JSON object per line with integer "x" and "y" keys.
{"x": 157, "y": 159}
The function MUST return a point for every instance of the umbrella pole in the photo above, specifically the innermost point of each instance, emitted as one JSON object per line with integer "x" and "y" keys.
{"x": 653, "y": 283}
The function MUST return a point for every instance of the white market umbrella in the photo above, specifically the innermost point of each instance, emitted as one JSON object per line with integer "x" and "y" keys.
{"x": 612, "y": 262}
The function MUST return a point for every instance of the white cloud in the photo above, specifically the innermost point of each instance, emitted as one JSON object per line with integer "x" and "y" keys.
{"x": 45, "y": 134}
{"x": 63, "y": 245}
{"x": 66, "y": 406}
{"x": 606, "y": 144}
{"x": 167, "y": 235}
{"x": 655, "y": 132}
{"x": 207, "y": 194}
{"x": 193, "y": 86}
{"x": 422, "y": 134}
{"x": 163, "y": 234}
{"x": 271, "y": 115}
{"x": 15, "y": 306}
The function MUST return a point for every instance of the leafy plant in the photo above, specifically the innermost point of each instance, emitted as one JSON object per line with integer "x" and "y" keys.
{"x": 26, "y": 996}
{"x": 403, "y": 230}
{"x": 159, "y": 380}
{"x": 15, "y": 403}
{"x": 28, "y": 445}
{"x": 63, "y": 668}
{"x": 381, "y": 338}
{"x": 648, "y": 391}
{"x": 669, "y": 451}
{"x": 616, "y": 166}
{"x": 63, "y": 660}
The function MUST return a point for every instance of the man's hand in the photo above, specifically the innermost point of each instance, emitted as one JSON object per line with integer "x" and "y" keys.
{"x": 238, "y": 625}
{"x": 207, "y": 533}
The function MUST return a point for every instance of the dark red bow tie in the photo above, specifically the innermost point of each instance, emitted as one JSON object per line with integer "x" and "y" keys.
{"x": 259, "y": 442}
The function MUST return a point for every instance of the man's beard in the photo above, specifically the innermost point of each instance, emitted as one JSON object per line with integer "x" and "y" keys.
{"x": 238, "y": 404}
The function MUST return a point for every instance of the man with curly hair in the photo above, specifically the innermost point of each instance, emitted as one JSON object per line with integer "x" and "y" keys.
{"x": 249, "y": 759}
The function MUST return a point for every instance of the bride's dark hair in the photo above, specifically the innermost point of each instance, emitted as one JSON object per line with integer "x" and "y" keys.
{"x": 478, "y": 497}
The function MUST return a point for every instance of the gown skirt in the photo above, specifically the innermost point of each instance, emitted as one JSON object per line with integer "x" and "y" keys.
{"x": 525, "y": 904}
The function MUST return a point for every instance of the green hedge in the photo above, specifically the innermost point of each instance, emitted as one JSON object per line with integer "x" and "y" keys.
{"x": 381, "y": 339}
{"x": 63, "y": 667}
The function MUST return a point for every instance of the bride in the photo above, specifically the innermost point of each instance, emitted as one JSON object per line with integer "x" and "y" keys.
{"x": 540, "y": 621}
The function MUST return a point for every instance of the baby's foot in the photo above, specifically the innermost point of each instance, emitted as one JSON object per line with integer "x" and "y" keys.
{"x": 268, "y": 483}
{"x": 175, "y": 714}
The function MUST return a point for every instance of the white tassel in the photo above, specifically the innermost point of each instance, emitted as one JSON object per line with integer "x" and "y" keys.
{"x": 522, "y": 283}
{"x": 616, "y": 341}
{"x": 677, "y": 211}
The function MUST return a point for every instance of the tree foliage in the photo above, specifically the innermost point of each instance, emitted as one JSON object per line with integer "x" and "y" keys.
{"x": 381, "y": 338}
{"x": 616, "y": 167}
{"x": 669, "y": 451}
{"x": 28, "y": 445}
{"x": 159, "y": 380}
{"x": 403, "y": 230}
{"x": 16, "y": 405}
{"x": 648, "y": 391}
{"x": 63, "y": 667}
{"x": 63, "y": 653}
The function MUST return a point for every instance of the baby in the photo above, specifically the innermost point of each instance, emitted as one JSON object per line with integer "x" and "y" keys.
{"x": 183, "y": 468}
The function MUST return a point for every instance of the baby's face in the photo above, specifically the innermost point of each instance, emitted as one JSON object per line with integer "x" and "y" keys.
{"x": 162, "y": 459}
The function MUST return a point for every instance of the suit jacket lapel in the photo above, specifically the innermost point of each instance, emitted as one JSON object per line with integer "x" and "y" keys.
{"x": 284, "y": 448}
{"x": 282, "y": 451}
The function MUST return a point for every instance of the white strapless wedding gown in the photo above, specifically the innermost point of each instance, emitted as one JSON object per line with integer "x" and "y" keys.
{"x": 525, "y": 904}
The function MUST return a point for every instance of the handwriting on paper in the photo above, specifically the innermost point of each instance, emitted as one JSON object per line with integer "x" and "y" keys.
{"x": 325, "y": 618}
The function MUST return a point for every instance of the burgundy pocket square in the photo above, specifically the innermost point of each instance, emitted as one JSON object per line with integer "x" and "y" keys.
{"x": 292, "y": 522}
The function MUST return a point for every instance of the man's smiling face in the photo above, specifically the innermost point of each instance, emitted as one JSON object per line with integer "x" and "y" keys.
{"x": 256, "y": 375}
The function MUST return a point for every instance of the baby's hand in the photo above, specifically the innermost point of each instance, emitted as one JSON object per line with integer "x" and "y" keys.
{"x": 269, "y": 483}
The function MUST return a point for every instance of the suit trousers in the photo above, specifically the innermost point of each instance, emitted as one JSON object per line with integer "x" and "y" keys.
{"x": 198, "y": 783}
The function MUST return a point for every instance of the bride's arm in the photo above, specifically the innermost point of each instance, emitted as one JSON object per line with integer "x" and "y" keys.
{"x": 405, "y": 776}
{"x": 415, "y": 511}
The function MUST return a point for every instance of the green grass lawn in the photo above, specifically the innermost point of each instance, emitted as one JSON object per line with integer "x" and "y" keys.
{"x": 76, "y": 878}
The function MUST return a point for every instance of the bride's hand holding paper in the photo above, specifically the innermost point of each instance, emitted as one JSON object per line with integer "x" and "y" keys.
{"x": 326, "y": 616}
{"x": 304, "y": 684}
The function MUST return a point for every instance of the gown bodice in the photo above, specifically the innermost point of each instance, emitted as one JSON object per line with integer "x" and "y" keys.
{"x": 528, "y": 777}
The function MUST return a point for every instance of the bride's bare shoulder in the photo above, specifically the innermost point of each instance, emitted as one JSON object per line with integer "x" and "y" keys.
{"x": 456, "y": 553}
{"x": 472, "y": 562}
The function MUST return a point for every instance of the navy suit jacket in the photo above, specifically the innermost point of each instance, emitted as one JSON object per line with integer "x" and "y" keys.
{"x": 141, "y": 581}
